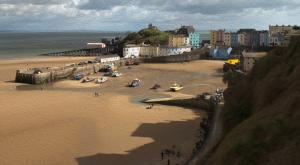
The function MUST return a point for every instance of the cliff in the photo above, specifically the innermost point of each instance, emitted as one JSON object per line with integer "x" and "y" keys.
{"x": 261, "y": 115}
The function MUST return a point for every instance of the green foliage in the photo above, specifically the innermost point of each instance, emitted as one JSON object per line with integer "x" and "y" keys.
{"x": 148, "y": 36}
{"x": 261, "y": 113}
{"x": 231, "y": 78}
{"x": 266, "y": 64}
{"x": 236, "y": 112}
{"x": 133, "y": 38}
{"x": 265, "y": 137}
{"x": 248, "y": 152}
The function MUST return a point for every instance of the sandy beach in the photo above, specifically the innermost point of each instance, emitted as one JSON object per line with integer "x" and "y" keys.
{"x": 65, "y": 124}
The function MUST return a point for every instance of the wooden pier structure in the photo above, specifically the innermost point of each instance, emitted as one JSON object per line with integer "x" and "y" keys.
{"x": 84, "y": 52}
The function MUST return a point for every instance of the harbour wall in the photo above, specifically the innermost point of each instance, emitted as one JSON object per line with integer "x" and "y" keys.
{"x": 49, "y": 75}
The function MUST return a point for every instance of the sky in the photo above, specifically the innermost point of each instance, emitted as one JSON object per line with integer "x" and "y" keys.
{"x": 132, "y": 15}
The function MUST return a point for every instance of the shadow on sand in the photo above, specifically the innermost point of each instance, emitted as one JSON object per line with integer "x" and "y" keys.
{"x": 161, "y": 133}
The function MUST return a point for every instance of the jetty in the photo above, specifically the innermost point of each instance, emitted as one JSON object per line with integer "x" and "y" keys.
{"x": 88, "y": 52}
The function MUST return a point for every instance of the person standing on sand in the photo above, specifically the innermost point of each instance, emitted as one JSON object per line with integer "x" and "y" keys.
{"x": 162, "y": 155}
{"x": 169, "y": 162}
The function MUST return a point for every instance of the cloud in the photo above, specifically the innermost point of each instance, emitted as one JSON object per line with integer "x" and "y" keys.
{"x": 37, "y": 2}
{"x": 134, "y": 14}
{"x": 191, "y": 6}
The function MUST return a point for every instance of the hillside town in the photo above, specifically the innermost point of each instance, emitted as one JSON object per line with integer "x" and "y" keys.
{"x": 185, "y": 43}
{"x": 151, "y": 42}
{"x": 186, "y": 39}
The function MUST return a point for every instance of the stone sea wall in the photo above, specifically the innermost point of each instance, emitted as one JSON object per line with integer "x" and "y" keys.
{"x": 172, "y": 59}
{"x": 55, "y": 74}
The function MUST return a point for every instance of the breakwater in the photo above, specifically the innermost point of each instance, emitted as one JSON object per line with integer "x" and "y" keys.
{"x": 48, "y": 75}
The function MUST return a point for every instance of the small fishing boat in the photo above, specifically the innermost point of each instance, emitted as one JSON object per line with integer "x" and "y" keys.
{"x": 134, "y": 83}
{"x": 88, "y": 79}
{"x": 101, "y": 80}
{"x": 78, "y": 77}
{"x": 176, "y": 87}
{"x": 116, "y": 74}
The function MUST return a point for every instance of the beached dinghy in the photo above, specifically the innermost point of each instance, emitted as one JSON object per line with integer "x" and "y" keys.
{"x": 88, "y": 79}
{"x": 116, "y": 74}
{"x": 101, "y": 80}
{"x": 176, "y": 87}
{"x": 134, "y": 83}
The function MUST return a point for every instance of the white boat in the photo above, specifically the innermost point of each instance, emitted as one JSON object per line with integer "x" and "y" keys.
{"x": 134, "y": 83}
{"x": 88, "y": 79}
{"x": 116, "y": 74}
{"x": 101, "y": 80}
{"x": 176, "y": 87}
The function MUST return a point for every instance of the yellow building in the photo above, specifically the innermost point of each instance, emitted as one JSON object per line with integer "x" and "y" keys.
{"x": 177, "y": 40}
{"x": 217, "y": 37}
{"x": 280, "y": 29}
{"x": 227, "y": 39}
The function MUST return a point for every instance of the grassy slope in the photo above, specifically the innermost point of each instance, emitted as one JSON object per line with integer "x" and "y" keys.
{"x": 262, "y": 113}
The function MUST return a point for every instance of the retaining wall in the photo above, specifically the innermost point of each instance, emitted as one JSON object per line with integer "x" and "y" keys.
{"x": 172, "y": 59}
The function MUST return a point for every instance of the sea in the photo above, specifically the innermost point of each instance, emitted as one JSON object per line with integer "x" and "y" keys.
{"x": 15, "y": 45}
{"x": 32, "y": 44}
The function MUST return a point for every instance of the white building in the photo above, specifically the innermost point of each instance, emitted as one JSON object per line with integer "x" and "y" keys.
{"x": 168, "y": 51}
{"x": 276, "y": 39}
{"x": 95, "y": 45}
{"x": 187, "y": 41}
{"x": 250, "y": 58}
{"x": 108, "y": 58}
{"x": 131, "y": 51}
{"x": 136, "y": 51}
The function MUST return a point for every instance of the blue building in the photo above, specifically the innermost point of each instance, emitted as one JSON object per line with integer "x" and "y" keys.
{"x": 234, "y": 39}
{"x": 264, "y": 38}
{"x": 220, "y": 53}
{"x": 194, "y": 38}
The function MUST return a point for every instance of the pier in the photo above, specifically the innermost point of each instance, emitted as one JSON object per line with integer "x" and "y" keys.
{"x": 83, "y": 52}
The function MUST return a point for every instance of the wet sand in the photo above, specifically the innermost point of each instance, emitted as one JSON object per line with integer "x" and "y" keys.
{"x": 65, "y": 124}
